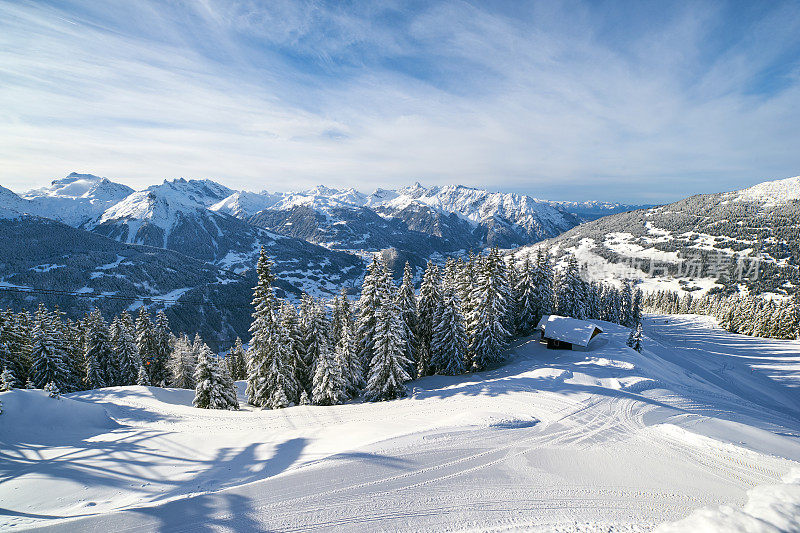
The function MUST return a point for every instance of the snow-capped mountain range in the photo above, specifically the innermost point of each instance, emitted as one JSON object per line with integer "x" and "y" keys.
{"x": 318, "y": 238}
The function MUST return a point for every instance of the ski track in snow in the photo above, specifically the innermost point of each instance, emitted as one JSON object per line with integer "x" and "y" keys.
{"x": 553, "y": 440}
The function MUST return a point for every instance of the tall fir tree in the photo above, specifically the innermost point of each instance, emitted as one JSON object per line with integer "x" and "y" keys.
{"x": 48, "y": 363}
{"x": 387, "y": 368}
{"x": 284, "y": 389}
{"x": 368, "y": 305}
{"x": 626, "y": 301}
{"x": 488, "y": 334}
{"x": 182, "y": 363}
{"x": 430, "y": 296}
{"x": 162, "y": 344}
{"x": 235, "y": 360}
{"x": 296, "y": 347}
{"x": 101, "y": 363}
{"x": 449, "y": 344}
{"x": 146, "y": 344}
{"x": 329, "y": 386}
{"x": 407, "y": 304}
{"x": 7, "y": 380}
{"x": 352, "y": 369}
{"x": 527, "y": 306}
{"x": 214, "y": 388}
{"x": 635, "y": 338}
{"x": 571, "y": 294}
{"x": 123, "y": 342}
{"x": 264, "y": 336}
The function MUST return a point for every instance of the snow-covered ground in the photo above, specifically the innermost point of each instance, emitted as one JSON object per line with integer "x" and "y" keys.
{"x": 606, "y": 440}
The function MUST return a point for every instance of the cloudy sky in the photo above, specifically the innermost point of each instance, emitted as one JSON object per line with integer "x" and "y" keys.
{"x": 640, "y": 101}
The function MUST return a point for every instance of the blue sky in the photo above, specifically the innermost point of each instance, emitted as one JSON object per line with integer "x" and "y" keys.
{"x": 630, "y": 101}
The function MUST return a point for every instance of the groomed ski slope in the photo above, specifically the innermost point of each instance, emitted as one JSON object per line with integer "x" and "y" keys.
{"x": 606, "y": 440}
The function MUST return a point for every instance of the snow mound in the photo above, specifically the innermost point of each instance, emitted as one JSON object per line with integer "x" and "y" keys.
{"x": 769, "y": 508}
{"x": 771, "y": 193}
{"x": 514, "y": 422}
{"x": 32, "y": 416}
{"x": 602, "y": 361}
{"x": 637, "y": 384}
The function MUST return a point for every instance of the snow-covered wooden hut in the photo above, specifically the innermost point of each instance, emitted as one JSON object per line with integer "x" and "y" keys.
{"x": 565, "y": 333}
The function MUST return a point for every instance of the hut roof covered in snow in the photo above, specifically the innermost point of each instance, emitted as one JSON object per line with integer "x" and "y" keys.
{"x": 568, "y": 329}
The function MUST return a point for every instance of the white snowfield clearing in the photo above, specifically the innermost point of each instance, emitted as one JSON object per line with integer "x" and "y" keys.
{"x": 606, "y": 440}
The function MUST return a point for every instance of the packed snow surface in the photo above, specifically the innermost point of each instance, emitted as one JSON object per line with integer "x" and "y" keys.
{"x": 702, "y": 427}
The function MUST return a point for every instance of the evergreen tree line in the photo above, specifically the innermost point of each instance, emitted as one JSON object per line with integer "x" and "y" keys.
{"x": 748, "y": 315}
{"x": 464, "y": 315}
{"x": 320, "y": 352}
{"x": 43, "y": 350}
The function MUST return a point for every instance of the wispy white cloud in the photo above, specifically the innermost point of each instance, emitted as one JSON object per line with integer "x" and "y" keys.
{"x": 557, "y": 100}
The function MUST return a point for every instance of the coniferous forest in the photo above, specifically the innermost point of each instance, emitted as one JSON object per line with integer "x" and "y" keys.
{"x": 460, "y": 319}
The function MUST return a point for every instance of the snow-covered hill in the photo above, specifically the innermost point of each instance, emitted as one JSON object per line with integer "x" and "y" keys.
{"x": 748, "y": 239}
{"x": 770, "y": 193}
{"x": 605, "y": 440}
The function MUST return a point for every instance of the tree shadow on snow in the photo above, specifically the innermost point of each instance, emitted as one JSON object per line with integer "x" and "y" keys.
{"x": 125, "y": 462}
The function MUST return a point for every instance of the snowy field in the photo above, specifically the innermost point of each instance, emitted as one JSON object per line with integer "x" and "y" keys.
{"x": 606, "y": 440}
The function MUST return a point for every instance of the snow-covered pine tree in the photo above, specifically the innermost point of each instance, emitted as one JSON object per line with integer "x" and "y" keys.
{"x": 485, "y": 326}
{"x": 543, "y": 281}
{"x": 430, "y": 297}
{"x": 352, "y": 369}
{"x": 571, "y": 292}
{"x": 525, "y": 291}
{"x": 52, "y": 390}
{"x": 235, "y": 360}
{"x": 264, "y": 337}
{"x": 141, "y": 376}
{"x": 48, "y": 363}
{"x": 7, "y": 380}
{"x": 214, "y": 388}
{"x": 636, "y": 308}
{"x": 146, "y": 343}
{"x": 317, "y": 338}
{"x": 304, "y": 398}
{"x": 284, "y": 389}
{"x": 123, "y": 341}
{"x": 290, "y": 323}
{"x": 182, "y": 363}
{"x": 626, "y": 301}
{"x": 329, "y": 386}
{"x": 387, "y": 372}
{"x": 635, "y": 338}
{"x": 15, "y": 339}
{"x": 407, "y": 303}
{"x": 72, "y": 334}
{"x": 449, "y": 344}
{"x": 101, "y": 364}
{"x": 368, "y": 305}
{"x": 162, "y": 344}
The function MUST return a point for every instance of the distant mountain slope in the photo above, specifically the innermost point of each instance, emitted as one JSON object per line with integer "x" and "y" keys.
{"x": 416, "y": 221}
{"x": 593, "y": 210}
{"x": 76, "y": 199}
{"x": 47, "y": 255}
{"x": 175, "y": 216}
{"x": 708, "y": 240}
